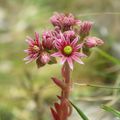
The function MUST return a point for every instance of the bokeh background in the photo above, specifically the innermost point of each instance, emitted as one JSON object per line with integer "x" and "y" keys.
{"x": 26, "y": 93}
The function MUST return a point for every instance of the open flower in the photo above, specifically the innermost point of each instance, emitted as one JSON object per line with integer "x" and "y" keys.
{"x": 34, "y": 48}
{"x": 68, "y": 51}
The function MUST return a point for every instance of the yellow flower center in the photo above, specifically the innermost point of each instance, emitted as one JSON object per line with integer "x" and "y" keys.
{"x": 36, "y": 48}
{"x": 68, "y": 50}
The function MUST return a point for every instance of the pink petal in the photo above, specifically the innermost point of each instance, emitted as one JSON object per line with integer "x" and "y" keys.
{"x": 78, "y": 22}
{"x": 81, "y": 55}
{"x": 58, "y": 44}
{"x": 35, "y": 56}
{"x": 57, "y": 54}
{"x": 67, "y": 40}
{"x": 37, "y": 37}
{"x": 30, "y": 42}
{"x": 62, "y": 37}
{"x": 79, "y": 46}
{"x": 63, "y": 59}
{"x": 30, "y": 58}
{"x": 70, "y": 62}
{"x": 26, "y": 51}
{"x": 29, "y": 38}
{"x": 29, "y": 61}
{"x": 74, "y": 42}
{"x": 27, "y": 58}
{"x": 77, "y": 59}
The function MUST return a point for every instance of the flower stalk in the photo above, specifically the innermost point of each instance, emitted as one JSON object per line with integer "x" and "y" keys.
{"x": 67, "y": 80}
{"x": 70, "y": 41}
{"x": 63, "y": 112}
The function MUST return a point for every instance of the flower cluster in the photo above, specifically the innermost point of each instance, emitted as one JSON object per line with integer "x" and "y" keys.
{"x": 68, "y": 40}
{"x": 64, "y": 21}
{"x": 62, "y": 42}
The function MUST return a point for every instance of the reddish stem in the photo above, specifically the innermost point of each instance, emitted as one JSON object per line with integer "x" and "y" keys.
{"x": 66, "y": 91}
{"x": 63, "y": 109}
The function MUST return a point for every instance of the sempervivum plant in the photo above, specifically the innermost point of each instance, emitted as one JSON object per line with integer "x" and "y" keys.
{"x": 68, "y": 40}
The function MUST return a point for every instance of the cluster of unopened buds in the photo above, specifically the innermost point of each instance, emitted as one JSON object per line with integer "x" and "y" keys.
{"x": 70, "y": 40}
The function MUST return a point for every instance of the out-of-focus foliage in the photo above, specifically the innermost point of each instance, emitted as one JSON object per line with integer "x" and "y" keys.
{"x": 5, "y": 114}
{"x": 27, "y": 91}
{"x": 112, "y": 110}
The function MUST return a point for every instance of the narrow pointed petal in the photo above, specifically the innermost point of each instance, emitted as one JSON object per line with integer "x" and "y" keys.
{"x": 30, "y": 42}
{"x": 62, "y": 36}
{"x": 63, "y": 59}
{"x": 26, "y": 51}
{"x": 67, "y": 40}
{"x": 29, "y": 38}
{"x": 27, "y": 58}
{"x": 37, "y": 37}
{"x": 58, "y": 44}
{"x": 70, "y": 62}
{"x": 29, "y": 61}
{"x": 57, "y": 54}
{"x": 79, "y": 46}
{"x": 35, "y": 56}
{"x": 81, "y": 55}
{"x": 74, "y": 42}
{"x": 77, "y": 59}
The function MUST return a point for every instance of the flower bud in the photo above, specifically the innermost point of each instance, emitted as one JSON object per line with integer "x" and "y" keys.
{"x": 99, "y": 41}
{"x": 93, "y": 41}
{"x": 44, "y": 58}
{"x": 48, "y": 39}
{"x": 64, "y": 21}
{"x": 85, "y": 28}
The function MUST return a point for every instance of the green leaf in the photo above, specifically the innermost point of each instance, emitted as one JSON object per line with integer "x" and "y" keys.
{"x": 82, "y": 115}
{"x": 111, "y": 110}
{"x": 107, "y": 56}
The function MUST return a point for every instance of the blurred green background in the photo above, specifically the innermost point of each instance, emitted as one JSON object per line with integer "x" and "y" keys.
{"x": 26, "y": 93}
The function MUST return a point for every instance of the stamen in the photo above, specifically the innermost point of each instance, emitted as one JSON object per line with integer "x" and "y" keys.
{"x": 36, "y": 48}
{"x": 68, "y": 50}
